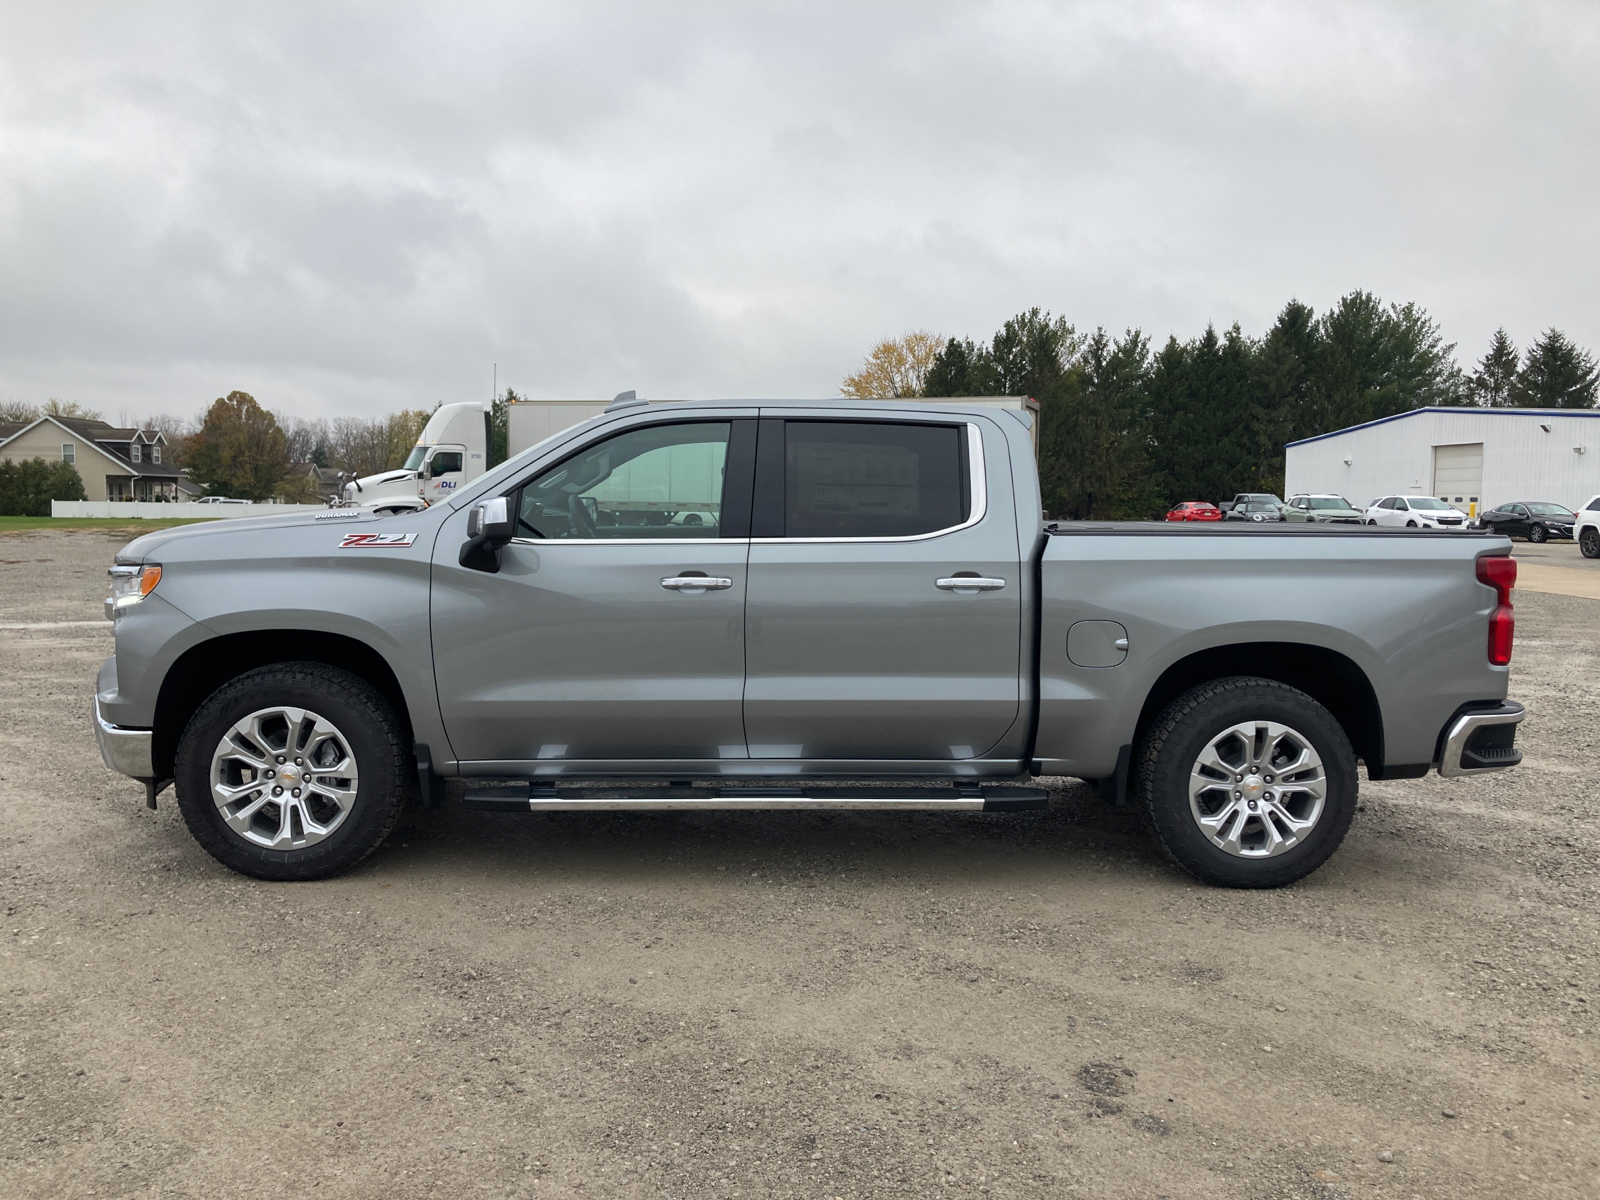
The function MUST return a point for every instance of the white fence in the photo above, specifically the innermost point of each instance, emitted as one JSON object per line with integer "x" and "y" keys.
{"x": 140, "y": 510}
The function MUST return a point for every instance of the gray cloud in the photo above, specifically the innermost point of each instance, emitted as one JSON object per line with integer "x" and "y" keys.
{"x": 351, "y": 210}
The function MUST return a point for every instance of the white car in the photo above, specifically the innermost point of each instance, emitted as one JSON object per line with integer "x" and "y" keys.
{"x": 1416, "y": 512}
{"x": 1587, "y": 528}
{"x": 221, "y": 500}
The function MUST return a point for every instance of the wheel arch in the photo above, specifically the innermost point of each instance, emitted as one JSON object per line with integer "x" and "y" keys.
{"x": 205, "y": 667}
{"x": 1327, "y": 676}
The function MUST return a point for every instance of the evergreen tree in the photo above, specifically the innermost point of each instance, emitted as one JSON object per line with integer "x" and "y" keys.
{"x": 1282, "y": 379}
{"x": 962, "y": 368}
{"x": 1494, "y": 383}
{"x": 1557, "y": 374}
{"x": 1098, "y": 466}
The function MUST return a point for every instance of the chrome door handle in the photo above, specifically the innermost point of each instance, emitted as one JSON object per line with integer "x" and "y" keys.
{"x": 966, "y": 585}
{"x": 695, "y": 584}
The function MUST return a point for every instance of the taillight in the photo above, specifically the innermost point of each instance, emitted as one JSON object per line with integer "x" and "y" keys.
{"x": 1499, "y": 571}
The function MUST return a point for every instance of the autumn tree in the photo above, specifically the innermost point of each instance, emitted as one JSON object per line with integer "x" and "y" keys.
{"x": 17, "y": 412}
{"x": 896, "y": 368}
{"x": 239, "y": 450}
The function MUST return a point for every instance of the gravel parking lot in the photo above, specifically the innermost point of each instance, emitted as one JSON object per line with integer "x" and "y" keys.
{"x": 851, "y": 1005}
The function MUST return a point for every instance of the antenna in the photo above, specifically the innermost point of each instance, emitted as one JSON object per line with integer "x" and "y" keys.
{"x": 494, "y": 388}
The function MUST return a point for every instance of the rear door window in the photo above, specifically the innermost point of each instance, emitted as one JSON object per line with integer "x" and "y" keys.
{"x": 871, "y": 479}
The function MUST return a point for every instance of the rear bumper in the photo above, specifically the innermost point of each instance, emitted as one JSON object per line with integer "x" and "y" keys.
{"x": 1480, "y": 740}
{"x": 124, "y": 750}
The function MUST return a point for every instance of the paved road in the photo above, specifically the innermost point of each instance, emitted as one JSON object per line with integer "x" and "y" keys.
{"x": 793, "y": 1005}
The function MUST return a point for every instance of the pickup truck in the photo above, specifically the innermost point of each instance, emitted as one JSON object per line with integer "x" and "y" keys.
{"x": 865, "y": 611}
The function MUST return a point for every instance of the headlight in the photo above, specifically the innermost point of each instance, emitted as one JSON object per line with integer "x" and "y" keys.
{"x": 129, "y": 585}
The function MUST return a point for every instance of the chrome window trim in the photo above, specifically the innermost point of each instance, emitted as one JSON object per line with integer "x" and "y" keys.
{"x": 978, "y": 479}
{"x": 522, "y": 541}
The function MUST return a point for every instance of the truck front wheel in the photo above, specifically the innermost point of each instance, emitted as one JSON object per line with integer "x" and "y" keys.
{"x": 293, "y": 771}
{"x": 1247, "y": 782}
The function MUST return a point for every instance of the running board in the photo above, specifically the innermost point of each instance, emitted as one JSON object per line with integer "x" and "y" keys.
{"x": 538, "y": 797}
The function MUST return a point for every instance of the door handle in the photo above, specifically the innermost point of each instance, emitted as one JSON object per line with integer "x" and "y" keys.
{"x": 693, "y": 585}
{"x": 966, "y": 585}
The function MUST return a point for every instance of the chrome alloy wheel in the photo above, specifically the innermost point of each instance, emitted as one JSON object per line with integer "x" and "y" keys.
{"x": 1257, "y": 789}
{"x": 284, "y": 778}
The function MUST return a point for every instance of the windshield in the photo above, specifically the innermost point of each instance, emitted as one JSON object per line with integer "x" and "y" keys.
{"x": 1326, "y": 502}
{"x": 1261, "y": 508}
{"x": 1551, "y": 510}
{"x": 1428, "y": 504}
{"x": 415, "y": 461}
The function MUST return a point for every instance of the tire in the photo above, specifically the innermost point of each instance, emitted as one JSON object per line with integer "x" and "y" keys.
{"x": 342, "y": 816}
{"x": 1411, "y": 524}
{"x": 1370, "y": 521}
{"x": 1538, "y": 534}
{"x": 1203, "y": 718}
{"x": 1589, "y": 542}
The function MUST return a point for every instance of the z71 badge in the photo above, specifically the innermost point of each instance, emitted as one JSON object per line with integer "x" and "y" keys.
{"x": 358, "y": 541}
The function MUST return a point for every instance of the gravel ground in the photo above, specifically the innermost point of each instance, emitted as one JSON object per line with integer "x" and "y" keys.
{"x": 711, "y": 1005}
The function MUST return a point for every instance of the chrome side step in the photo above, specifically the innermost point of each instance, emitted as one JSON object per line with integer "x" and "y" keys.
{"x": 540, "y": 797}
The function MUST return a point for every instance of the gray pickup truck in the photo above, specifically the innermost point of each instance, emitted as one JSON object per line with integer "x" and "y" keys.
{"x": 741, "y": 604}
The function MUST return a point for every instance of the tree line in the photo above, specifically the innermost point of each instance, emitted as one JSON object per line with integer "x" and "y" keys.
{"x": 1127, "y": 431}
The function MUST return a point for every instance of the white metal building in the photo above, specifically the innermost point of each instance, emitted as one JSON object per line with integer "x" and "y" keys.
{"x": 1474, "y": 458}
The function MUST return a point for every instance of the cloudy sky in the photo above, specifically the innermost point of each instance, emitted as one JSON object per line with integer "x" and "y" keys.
{"x": 346, "y": 209}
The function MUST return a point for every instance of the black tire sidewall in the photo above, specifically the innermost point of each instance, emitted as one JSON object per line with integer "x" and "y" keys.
{"x": 358, "y": 711}
{"x": 1589, "y": 543}
{"x": 1193, "y": 720}
{"x": 1536, "y": 535}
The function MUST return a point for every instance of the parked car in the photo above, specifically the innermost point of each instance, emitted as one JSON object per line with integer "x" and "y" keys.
{"x": 1322, "y": 508}
{"x": 1416, "y": 512}
{"x": 221, "y": 500}
{"x": 1587, "y": 530}
{"x": 1254, "y": 510}
{"x": 854, "y": 612}
{"x": 1536, "y": 520}
{"x": 1195, "y": 510}
{"x": 1250, "y": 498}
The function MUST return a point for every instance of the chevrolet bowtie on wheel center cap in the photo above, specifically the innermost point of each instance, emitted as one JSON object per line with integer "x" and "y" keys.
{"x": 284, "y": 778}
{"x": 1257, "y": 789}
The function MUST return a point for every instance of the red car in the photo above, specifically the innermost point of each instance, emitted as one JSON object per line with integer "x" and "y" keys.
{"x": 1195, "y": 510}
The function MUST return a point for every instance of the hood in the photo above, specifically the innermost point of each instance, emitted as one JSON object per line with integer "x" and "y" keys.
{"x": 150, "y": 545}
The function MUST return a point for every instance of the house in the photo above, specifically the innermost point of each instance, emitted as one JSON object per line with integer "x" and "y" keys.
{"x": 324, "y": 482}
{"x": 114, "y": 464}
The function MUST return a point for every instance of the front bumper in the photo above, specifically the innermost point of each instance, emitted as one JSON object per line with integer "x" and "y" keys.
{"x": 1480, "y": 740}
{"x": 124, "y": 750}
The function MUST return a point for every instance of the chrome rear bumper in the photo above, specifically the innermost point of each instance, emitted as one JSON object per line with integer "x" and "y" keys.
{"x": 124, "y": 750}
{"x": 1480, "y": 741}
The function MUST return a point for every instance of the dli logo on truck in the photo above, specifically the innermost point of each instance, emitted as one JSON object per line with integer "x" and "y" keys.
{"x": 353, "y": 541}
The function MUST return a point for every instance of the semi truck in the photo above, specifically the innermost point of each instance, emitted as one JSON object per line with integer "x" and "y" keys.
{"x": 451, "y": 452}
{"x": 868, "y": 613}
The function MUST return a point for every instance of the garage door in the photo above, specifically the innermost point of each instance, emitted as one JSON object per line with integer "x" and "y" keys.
{"x": 1458, "y": 474}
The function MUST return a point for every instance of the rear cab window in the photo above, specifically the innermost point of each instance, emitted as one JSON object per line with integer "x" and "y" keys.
{"x": 861, "y": 479}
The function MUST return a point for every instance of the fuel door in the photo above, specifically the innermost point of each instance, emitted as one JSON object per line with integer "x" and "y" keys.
{"x": 1097, "y": 644}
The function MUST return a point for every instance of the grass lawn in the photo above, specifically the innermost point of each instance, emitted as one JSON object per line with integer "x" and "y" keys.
{"x": 132, "y": 525}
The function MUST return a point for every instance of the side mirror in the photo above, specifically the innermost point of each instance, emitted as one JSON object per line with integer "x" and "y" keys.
{"x": 489, "y": 527}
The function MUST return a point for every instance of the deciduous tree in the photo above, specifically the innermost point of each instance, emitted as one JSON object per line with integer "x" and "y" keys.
{"x": 239, "y": 450}
{"x": 896, "y": 368}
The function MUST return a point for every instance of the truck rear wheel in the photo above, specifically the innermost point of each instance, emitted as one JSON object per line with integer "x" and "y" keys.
{"x": 1247, "y": 782}
{"x": 293, "y": 771}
